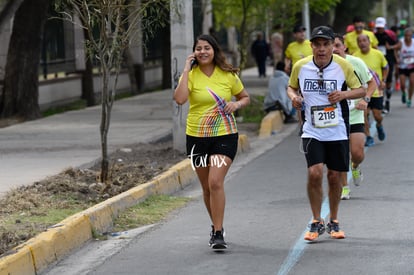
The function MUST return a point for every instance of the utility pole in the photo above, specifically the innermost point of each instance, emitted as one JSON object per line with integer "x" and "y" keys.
{"x": 182, "y": 39}
{"x": 305, "y": 18}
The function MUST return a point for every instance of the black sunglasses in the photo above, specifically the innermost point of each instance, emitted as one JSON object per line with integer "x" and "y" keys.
{"x": 320, "y": 80}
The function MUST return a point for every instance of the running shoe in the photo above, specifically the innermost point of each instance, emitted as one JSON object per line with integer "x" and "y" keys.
{"x": 217, "y": 241}
{"x": 357, "y": 176}
{"x": 369, "y": 141}
{"x": 408, "y": 103}
{"x": 403, "y": 97}
{"x": 381, "y": 133}
{"x": 386, "y": 109}
{"x": 212, "y": 235}
{"x": 345, "y": 193}
{"x": 333, "y": 229}
{"x": 316, "y": 228}
{"x": 397, "y": 85}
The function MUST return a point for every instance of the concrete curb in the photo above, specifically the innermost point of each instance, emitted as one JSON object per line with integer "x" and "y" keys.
{"x": 35, "y": 255}
{"x": 271, "y": 124}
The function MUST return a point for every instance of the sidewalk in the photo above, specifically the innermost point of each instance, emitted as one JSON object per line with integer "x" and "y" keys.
{"x": 34, "y": 150}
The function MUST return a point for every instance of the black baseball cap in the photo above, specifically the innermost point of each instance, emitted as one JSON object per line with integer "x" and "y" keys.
{"x": 322, "y": 32}
{"x": 299, "y": 28}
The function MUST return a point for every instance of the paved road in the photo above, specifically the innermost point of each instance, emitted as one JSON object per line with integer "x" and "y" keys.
{"x": 266, "y": 216}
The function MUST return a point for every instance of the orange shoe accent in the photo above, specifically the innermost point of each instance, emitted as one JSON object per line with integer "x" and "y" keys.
{"x": 397, "y": 85}
{"x": 338, "y": 235}
{"x": 311, "y": 236}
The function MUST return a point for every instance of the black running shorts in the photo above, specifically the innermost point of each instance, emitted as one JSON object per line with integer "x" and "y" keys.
{"x": 199, "y": 149}
{"x": 335, "y": 154}
{"x": 376, "y": 103}
{"x": 406, "y": 72}
{"x": 357, "y": 128}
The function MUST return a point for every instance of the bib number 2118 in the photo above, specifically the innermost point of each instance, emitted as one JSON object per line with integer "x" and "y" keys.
{"x": 325, "y": 116}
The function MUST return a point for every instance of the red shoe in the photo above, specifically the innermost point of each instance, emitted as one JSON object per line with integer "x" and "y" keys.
{"x": 397, "y": 85}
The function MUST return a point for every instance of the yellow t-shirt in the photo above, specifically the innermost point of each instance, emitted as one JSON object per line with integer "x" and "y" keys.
{"x": 208, "y": 96}
{"x": 375, "y": 60}
{"x": 296, "y": 51}
{"x": 352, "y": 44}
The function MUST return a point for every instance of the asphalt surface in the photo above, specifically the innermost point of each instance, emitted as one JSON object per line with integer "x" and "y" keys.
{"x": 267, "y": 213}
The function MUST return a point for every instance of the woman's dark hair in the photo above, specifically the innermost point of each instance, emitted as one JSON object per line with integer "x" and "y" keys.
{"x": 280, "y": 66}
{"x": 219, "y": 58}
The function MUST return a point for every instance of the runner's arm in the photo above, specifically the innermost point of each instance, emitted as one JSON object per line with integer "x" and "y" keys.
{"x": 293, "y": 94}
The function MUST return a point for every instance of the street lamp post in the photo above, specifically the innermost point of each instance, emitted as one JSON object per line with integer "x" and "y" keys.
{"x": 182, "y": 38}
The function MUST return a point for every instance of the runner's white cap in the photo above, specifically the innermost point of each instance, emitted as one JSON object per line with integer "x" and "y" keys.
{"x": 380, "y": 22}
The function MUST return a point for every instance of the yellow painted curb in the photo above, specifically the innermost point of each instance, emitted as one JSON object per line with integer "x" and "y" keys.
{"x": 20, "y": 262}
{"x": 57, "y": 242}
{"x": 38, "y": 253}
{"x": 186, "y": 173}
{"x": 271, "y": 123}
{"x": 168, "y": 182}
{"x": 244, "y": 144}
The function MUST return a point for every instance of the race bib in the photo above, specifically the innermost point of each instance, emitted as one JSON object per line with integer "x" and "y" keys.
{"x": 325, "y": 116}
{"x": 408, "y": 60}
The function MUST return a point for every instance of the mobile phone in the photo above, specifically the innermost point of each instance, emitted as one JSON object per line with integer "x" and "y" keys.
{"x": 193, "y": 62}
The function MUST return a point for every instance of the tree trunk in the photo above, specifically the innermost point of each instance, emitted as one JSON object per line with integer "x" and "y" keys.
{"x": 21, "y": 83}
{"x": 105, "y": 121}
{"x": 8, "y": 10}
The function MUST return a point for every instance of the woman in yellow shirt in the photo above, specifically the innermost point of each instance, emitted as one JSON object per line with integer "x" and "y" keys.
{"x": 210, "y": 83}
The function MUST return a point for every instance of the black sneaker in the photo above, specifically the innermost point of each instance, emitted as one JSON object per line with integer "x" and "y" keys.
{"x": 387, "y": 106}
{"x": 217, "y": 241}
{"x": 212, "y": 234}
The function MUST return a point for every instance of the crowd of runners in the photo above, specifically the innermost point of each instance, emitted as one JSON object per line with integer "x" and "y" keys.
{"x": 337, "y": 85}
{"x": 341, "y": 84}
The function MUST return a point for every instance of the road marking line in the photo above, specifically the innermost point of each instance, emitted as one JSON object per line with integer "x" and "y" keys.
{"x": 299, "y": 248}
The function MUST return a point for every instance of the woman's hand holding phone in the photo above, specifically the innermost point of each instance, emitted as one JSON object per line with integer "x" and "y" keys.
{"x": 190, "y": 62}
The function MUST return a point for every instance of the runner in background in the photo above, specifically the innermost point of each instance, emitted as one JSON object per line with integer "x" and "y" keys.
{"x": 376, "y": 62}
{"x": 387, "y": 43}
{"x": 351, "y": 37}
{"x": 405, "y": 59}
{"x": 297, "y": 49}
{"x": 357, "y": 108}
